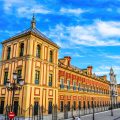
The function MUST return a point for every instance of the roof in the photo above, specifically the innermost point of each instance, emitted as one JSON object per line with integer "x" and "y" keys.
{"x": 33, "y": 31}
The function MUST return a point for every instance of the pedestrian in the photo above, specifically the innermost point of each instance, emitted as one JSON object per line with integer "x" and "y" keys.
{"x": 73, "y": 117}
{"x": 77, "y": 118}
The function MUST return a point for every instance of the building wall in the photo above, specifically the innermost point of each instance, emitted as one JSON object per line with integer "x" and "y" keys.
{"x": 93, "y": 88}
{"x": 85, "y": 81}
{"x": 31, "y": 92}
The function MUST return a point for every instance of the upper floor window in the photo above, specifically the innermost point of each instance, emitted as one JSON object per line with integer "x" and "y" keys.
{"x": 5, "y": 77}
{"x": 21, "y": 49}
{"x": 79, "y": 87}
{"x": 8, "y": 52}
{"x": 61, "y": 83}
{"x": 51, "y": 56}
{"x": 68, "y": 84}
{"x": 38, "y": 51}
{"x": 19, "y": 73}
{"x": 37, "y": 76}
{"x": 74, "y": 86}
{"x": 50, "y": 80}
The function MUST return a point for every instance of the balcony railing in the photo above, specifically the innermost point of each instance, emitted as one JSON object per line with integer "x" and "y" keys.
{"x": 74, "y": 88}
{"x": 68, "y": 87}
{"x": 61, "y": 86}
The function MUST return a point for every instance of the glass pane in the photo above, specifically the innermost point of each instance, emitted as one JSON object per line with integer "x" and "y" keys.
{"x": 5, "y": 77}
{"x": 37, "y": 74}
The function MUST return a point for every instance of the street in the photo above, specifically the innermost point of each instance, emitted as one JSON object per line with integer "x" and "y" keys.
{"x": 103, "y": 116}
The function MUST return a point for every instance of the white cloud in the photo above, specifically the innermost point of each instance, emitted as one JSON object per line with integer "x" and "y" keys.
{"x": 105, "y": 70}
{"x": 71, "y": 53}
{"x": 71, "y": 11}
{"x": 109, "y": 29}
{"x": 102, "y": 73}
{"x": 22, "y": 8}
{"x": 97, "y": 34}
{"x": 26, "y": 11}
{"x": 113, "y": 56}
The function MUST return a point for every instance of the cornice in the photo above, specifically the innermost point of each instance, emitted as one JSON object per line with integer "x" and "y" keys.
{"x": 83, "y": 74}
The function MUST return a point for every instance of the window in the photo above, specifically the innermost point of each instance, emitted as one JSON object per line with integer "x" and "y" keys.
{"x": 79, "y": 105}
{"x": 36, "y": 107}
{"x": 50, "y": 80}
{"x": 50, "y": 107}
{"x": 8, "y": 52}
{"x": 74, "y": 105}
{"x": 2, "y": 107}
{"x": 38, "y": 51}
{"x": 16, "y": 104}
{"x": 68, "y": 105}
{"x": 62, "y": 83}
{"x": 61, "y": 106}
{"x": 19, "y": 73}
{"x": 37, "y": 76}
{"x": 51, "y": 56}
{"x": 68, "y": 84}
{"x": 79, "y": 87}
{"x": 74, "y": 87}
{"x": 5, "y": 77}
{"x": 84, "y": 105}
{"x": 88, "y": 105}
{"x": 21, "y": 49}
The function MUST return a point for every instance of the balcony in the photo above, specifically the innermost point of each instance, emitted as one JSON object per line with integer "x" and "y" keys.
{"x": 74, "y": 88}
{"x": 61, "y": 86}
{"x": 78, "y": 88}
{"x": 50, "y": 84}
{"x": 68, "y": 87}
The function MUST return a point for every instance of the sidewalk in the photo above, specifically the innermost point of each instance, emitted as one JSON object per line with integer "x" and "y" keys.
{"x": 103, "y": 116}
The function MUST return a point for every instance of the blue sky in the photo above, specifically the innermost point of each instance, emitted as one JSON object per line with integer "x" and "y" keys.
{"x": 86, "y": 30}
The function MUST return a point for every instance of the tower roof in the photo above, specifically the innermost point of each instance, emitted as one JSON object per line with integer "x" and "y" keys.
{"x": 34, "y": 31}
{"x": 33, "y": 22}
{"x": 111, "y": 71}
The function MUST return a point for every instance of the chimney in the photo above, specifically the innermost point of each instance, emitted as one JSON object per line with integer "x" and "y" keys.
{"x": 105, "y": 77}
{"x": 67, "y": 60}
{"x": 89, "y": 70}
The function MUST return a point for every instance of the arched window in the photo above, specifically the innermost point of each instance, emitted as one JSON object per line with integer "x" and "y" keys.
{"x": 21, "y": 49}
{"x": 38, "y": 51}
{"x": 8, "y": 52}
{"x": 51, "y": 56}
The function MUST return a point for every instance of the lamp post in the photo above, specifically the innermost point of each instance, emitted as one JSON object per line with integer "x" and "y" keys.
{"x": 13, "y": 86}
{"x": 111, "y": 103}
{"x": 93, "y": 108}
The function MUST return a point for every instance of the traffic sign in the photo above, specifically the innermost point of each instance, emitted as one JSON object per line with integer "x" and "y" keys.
{"x": 11, "y": 115}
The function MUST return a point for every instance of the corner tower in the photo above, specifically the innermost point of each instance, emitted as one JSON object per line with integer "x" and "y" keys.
{"x": 35, "y": 57}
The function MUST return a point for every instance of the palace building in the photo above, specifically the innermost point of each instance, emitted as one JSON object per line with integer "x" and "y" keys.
{"x": 49, "y": 80}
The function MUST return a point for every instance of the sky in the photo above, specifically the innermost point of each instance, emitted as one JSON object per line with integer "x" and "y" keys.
{"x": 86, "y": 30}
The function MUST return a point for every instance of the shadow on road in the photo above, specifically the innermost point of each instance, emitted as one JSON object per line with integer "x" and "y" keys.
{"x": 117, "y": 118}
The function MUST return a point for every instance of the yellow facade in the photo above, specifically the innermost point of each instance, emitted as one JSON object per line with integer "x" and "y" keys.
{"x": 44, "y": 91}
{"x": 28, "y": 64}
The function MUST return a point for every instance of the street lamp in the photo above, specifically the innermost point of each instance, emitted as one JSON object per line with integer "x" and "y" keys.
{"x": 93, "y": 108}
{"x": 111, "y": 103}
{"x": 113, "y": 94}
{"x": 13, "y": 86}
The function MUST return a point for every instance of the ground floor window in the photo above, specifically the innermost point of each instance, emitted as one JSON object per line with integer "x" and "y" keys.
{"x": 50, "y": 107}
{"x": 15, "y": 107}
{"x": 68, "y": 105}
{"x": 79, "y": 105}
{"x": 1, "y": 107}
{"x": 74, "y": 105}
{"x": 84, "y": 104}
{"x": 36, "y": 104}
{"x": 88, "y": 105}
{"x": 61, "y": 106}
